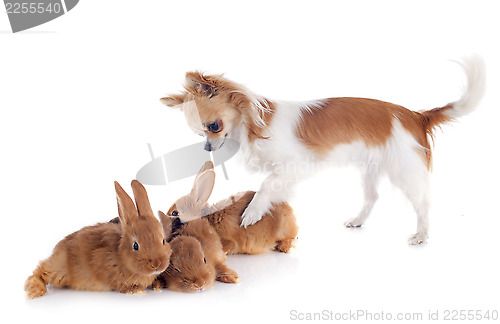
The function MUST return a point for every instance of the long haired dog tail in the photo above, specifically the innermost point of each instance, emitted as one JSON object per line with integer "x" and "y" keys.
{"x": 475, "y": 72}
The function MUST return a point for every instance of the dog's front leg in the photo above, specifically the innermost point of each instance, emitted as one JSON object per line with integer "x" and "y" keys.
{"x": 275, "y": 189}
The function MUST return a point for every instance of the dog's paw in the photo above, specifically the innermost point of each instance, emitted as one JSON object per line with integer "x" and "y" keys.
{"x": 250, "y": 216}
{"x": 417, "y": 239}
{"x": 253, "y": 213}
{"x": 353, "y": 223}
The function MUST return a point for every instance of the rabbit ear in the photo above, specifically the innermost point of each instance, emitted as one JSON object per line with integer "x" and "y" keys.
{"x": 126, "y": 208}
{"x": 203, "y": 186}
{"x": 166, "y": 223}
{"x": 141, "y": 199}
{"x": 209, "y": 165}
{"x": 170, "y": 225}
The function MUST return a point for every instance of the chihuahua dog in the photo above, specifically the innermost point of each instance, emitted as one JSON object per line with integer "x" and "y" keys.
{"x": 278, "y": 136}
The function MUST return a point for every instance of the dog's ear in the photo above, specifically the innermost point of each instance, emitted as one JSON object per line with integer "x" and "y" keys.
{"x": 205, "y": 85}
{"x": 174, "y": 101}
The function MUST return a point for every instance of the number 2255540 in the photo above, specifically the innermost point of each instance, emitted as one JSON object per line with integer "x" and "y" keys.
{"x": 32, "y": 8}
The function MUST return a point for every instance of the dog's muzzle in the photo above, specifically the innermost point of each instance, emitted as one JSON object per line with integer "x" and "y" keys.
{"x": 214, "y": 144}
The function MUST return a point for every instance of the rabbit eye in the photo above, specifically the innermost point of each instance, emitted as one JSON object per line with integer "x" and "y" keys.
{"x": 136, "y": 246}
{"x": 205, "y": 260}
{"x": 164, "y": 241}
{"x": 175, "y": 213}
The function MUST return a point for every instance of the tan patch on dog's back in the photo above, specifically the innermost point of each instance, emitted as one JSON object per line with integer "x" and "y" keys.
{"x": 345, "y": 120}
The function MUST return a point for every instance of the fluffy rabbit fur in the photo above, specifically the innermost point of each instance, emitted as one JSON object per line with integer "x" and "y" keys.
{"x": 187, "y": 271}
{"x": 197, "y": 257}
{"x": 277, "y": 229}
{"x": 124, "y": 257}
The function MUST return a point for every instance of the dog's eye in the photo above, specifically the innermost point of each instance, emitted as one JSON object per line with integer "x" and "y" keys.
{"x": 214, "y": 127}
{"x": 136, "y": 246}
{"x": 175, "y": 213}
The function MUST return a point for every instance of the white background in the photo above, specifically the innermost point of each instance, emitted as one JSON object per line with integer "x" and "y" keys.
{"x": 79, "y": 103}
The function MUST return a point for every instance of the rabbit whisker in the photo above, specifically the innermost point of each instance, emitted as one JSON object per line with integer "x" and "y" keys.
{"x": 125, "y": 282}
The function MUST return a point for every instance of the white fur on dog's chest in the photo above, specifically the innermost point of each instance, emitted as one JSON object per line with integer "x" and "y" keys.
{"x": 281, "y": 146}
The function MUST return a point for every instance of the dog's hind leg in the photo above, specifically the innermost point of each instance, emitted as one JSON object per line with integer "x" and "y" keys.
{"x": 419, "y": 197}
{"x": 413, "y": 180}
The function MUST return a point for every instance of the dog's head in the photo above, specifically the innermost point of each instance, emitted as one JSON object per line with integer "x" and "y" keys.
{"x": 217, "y": 108}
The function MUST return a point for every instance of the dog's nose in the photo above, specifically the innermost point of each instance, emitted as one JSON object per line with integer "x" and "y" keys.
{"x": 208, "y": 146}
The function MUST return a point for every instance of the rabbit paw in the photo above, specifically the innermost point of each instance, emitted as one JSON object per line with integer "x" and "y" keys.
{"x": 284, "y": 245}
{"x": 34, "y": 287}
{"x": 228, "y": 276}
{"x": 135, "y": 289}
{"x": 158, "y": 285}
{"x": 417, "y": 239}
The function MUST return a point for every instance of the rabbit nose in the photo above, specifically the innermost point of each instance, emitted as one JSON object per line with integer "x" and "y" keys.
{"x": 177, "y": 222}
{"x": 155, "y": 264}
{"x": 200, "y": 285}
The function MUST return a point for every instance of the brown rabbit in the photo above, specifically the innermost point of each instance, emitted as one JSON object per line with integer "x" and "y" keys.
{"x": 188, "y": 270}
{"x": 277, "y": 229}
{"x": 124, "y": 257}
{"x": 197, "y": 257}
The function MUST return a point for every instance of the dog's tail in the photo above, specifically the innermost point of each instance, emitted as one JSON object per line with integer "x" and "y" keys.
{"x": 475, "y": 72}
